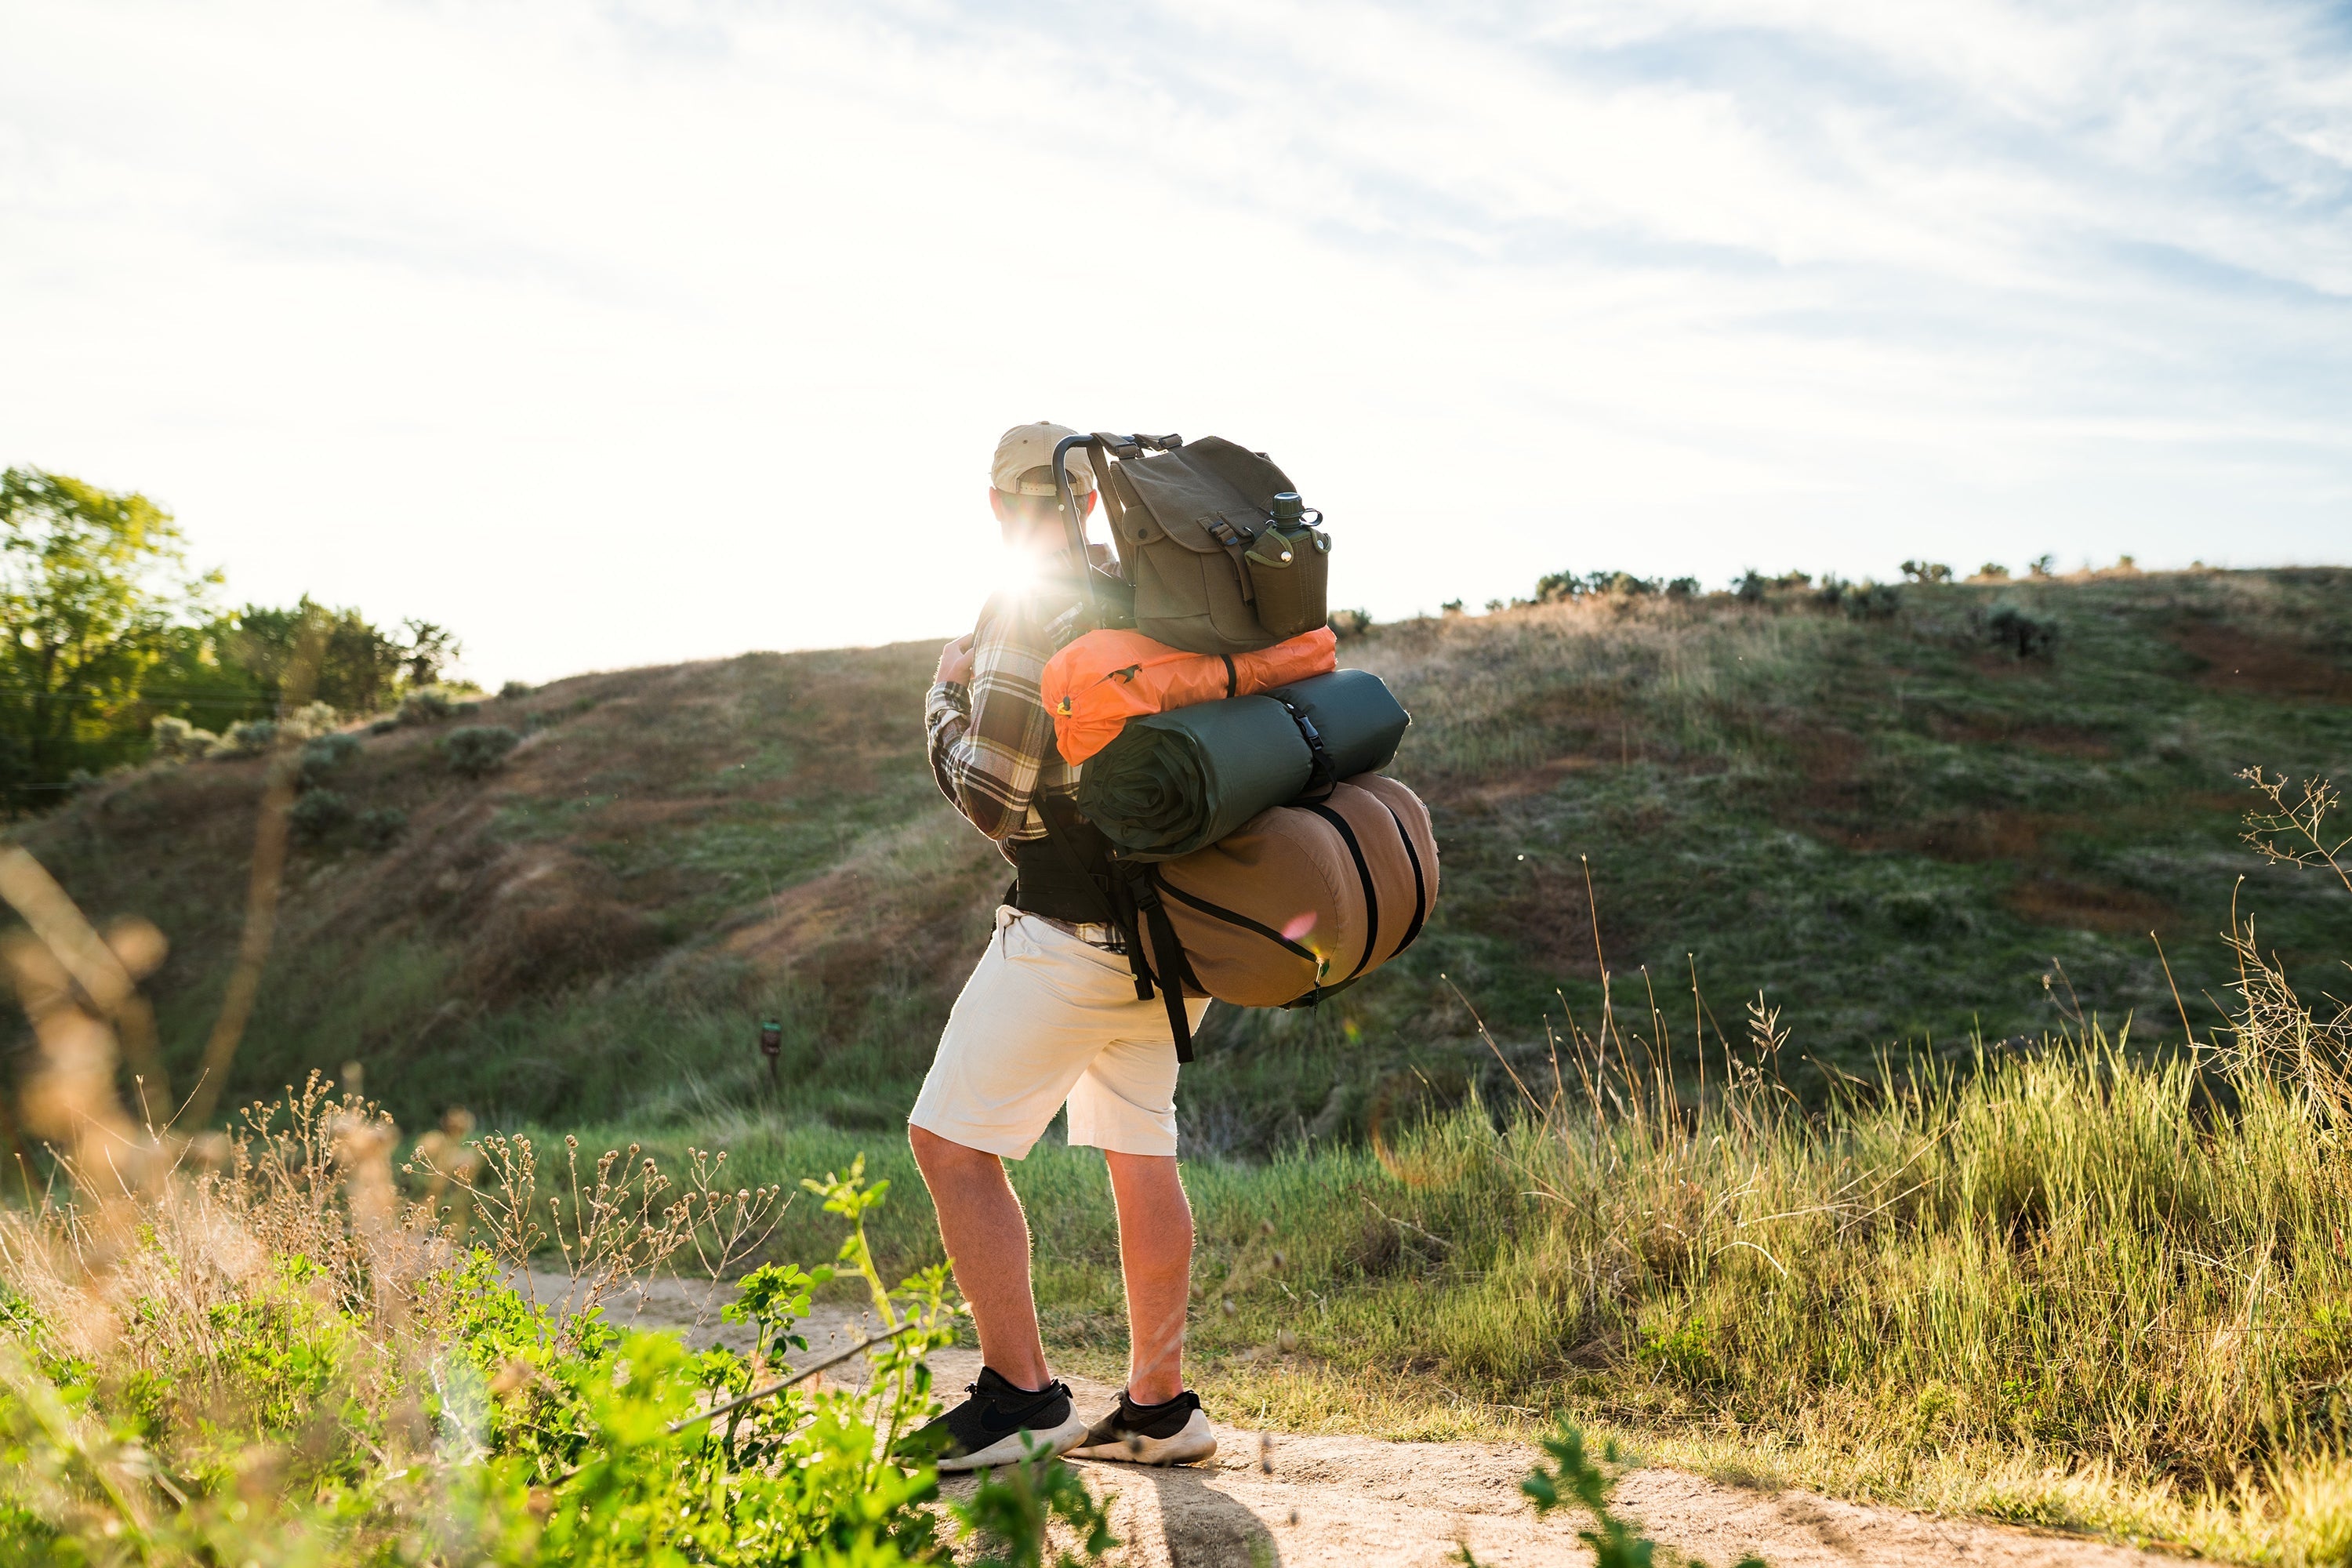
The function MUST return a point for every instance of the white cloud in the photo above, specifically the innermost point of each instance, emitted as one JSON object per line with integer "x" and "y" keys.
{"x": 664, "y": 330}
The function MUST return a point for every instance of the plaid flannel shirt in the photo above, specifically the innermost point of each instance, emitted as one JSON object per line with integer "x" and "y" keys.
{"x": 991, "y": 742}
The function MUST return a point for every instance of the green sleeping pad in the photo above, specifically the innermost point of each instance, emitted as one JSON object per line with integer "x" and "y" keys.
{"x": 1179, "y": 781}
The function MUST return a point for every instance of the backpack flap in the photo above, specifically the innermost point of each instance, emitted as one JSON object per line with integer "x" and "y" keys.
{"x": 1185, "y": 521}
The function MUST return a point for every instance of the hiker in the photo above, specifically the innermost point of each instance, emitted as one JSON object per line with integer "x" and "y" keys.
{"x": 1050, "y": 1016}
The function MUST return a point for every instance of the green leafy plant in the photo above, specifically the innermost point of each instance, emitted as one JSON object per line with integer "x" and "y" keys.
{"x": 1015, "y": 1509}
{"x": 1569, "y": 1476}
{"x": 370, "y": 1392}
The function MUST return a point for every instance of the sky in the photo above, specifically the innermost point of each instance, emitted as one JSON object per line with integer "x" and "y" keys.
{"x": 623, "y": 333}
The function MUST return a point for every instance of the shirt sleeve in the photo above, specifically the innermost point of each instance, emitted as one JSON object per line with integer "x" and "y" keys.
{"x": 989, "y": 739}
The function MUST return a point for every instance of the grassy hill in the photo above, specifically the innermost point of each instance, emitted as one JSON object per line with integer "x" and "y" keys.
{"x": 1874, "y": 812}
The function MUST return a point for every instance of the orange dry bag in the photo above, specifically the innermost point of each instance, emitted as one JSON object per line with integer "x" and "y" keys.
{"x": 1104, "y": 678}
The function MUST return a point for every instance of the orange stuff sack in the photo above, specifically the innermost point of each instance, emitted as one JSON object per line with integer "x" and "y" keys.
{"x": 1093, "y": 687}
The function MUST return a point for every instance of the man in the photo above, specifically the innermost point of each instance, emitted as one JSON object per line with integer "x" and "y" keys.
{"x": 1050, "y": 1016}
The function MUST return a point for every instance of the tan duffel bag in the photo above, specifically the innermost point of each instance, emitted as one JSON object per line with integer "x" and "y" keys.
{"x": 1302, "y": 901}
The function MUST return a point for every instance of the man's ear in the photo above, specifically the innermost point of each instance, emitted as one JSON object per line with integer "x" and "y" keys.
{"x": 996, "y": 503}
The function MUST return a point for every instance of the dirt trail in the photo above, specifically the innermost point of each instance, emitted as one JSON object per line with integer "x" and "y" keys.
{"x": 1272, "y": 1499}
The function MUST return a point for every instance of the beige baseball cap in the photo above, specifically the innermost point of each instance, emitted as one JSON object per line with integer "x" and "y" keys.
{"x": 1025, "y": 448}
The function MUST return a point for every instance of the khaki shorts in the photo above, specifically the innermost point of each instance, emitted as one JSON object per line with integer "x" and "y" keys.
{"x": 1044, "y": 1019}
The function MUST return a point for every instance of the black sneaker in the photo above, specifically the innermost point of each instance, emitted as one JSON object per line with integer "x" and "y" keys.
{"x": 1176, "y": 1433}
{"x": 998, "y": 1424}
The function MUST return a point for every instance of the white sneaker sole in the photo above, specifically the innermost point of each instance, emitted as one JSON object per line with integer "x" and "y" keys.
{"x": 1191, "y": 1444}
{"x": 1006, "y": 1450}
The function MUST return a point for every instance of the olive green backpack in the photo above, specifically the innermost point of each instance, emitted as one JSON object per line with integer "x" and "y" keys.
{"x": 1219, "y": 554}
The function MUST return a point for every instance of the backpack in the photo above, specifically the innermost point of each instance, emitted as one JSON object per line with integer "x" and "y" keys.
{"x": 1219, "y": 554}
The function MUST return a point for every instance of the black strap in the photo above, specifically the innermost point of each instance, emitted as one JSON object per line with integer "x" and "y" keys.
{"x": 1144, "y": 886}
{"x": 1364, "y": 872}
{"x": 1420, "y": 887}
{"x": 1144, "y": 908}
{"x": 1322, "y": 773}
{"x": 1233, "y": 676}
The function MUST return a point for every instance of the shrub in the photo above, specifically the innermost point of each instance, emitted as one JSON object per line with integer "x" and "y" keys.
{"x": 246, "y": 738}
{"x": 310, "y": 718}
{"x": 1927, "y": 571}
{"x": 1558, "y": 586}
{"x": 1748, "y": 586}
{"x": 478, "y": 750}
{"x": 1869, "y": 601}
{"x": 325, "y": 754}
{"x": 515, "y": 689}
{"x": 283, "y": 1361}
{"x": 1348, "y": 624}
{"x": 177, "y": 741}
{"x": 320, "y": 814}
{"x": 380, "y": 827}
{"x": 2020, "y": 631}
{"x": 428, "y": 705}
{"x": 1992, "y": 572}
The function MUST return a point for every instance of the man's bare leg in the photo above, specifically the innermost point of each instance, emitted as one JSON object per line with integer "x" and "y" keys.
{"x": 1155, "y": 1254}
{"x": 987, "y": 1238}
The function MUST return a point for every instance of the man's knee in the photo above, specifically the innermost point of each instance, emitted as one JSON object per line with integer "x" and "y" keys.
{"x": 936, "y": 1156}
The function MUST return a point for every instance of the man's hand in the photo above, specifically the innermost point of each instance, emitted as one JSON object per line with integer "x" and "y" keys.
{"x": 955, "y": 662}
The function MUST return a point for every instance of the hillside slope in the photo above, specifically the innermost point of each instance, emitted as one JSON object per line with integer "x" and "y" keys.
{"x": 1894, "y": 828}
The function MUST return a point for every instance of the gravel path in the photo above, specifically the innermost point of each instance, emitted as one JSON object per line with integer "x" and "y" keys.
{"x": 1277, "y": 1500}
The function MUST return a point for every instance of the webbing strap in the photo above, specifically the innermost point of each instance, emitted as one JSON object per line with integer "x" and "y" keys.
{"x": 1364, "y": 873}
{"x": 1420, "y": 887}
{"x": 1322, "y": 773}
{"x": 1145, "y": 887}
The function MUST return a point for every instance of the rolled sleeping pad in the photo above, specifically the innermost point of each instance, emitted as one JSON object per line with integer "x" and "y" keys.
{"x": 1304, "y": 899}
{"x": 1357, "y": 716}
{"x": 1178, "y": 782}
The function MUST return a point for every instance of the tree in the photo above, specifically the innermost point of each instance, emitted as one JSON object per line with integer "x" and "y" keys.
{"x": 430, "y": 652}
{"x": 253, "y": 653}
{"x": 93, "y": 586}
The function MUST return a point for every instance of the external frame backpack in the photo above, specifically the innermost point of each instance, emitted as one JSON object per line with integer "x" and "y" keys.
{"x": 1219, "y": 554}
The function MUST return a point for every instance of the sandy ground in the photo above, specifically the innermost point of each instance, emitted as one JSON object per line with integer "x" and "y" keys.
{"x": 1272, "y": 1499}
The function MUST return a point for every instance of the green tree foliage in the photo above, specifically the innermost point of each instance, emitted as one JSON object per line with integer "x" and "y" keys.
{"x": 107, "y": 629}
{"x": 361, "y": 668}
{"x": 94, "y": 587}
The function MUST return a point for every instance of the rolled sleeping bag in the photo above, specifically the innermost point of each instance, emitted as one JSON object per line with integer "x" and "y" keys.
{"x": 1303, "y": 900}
{"x": 1178, "y": 782}
{"x": 1094, "y": 686}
